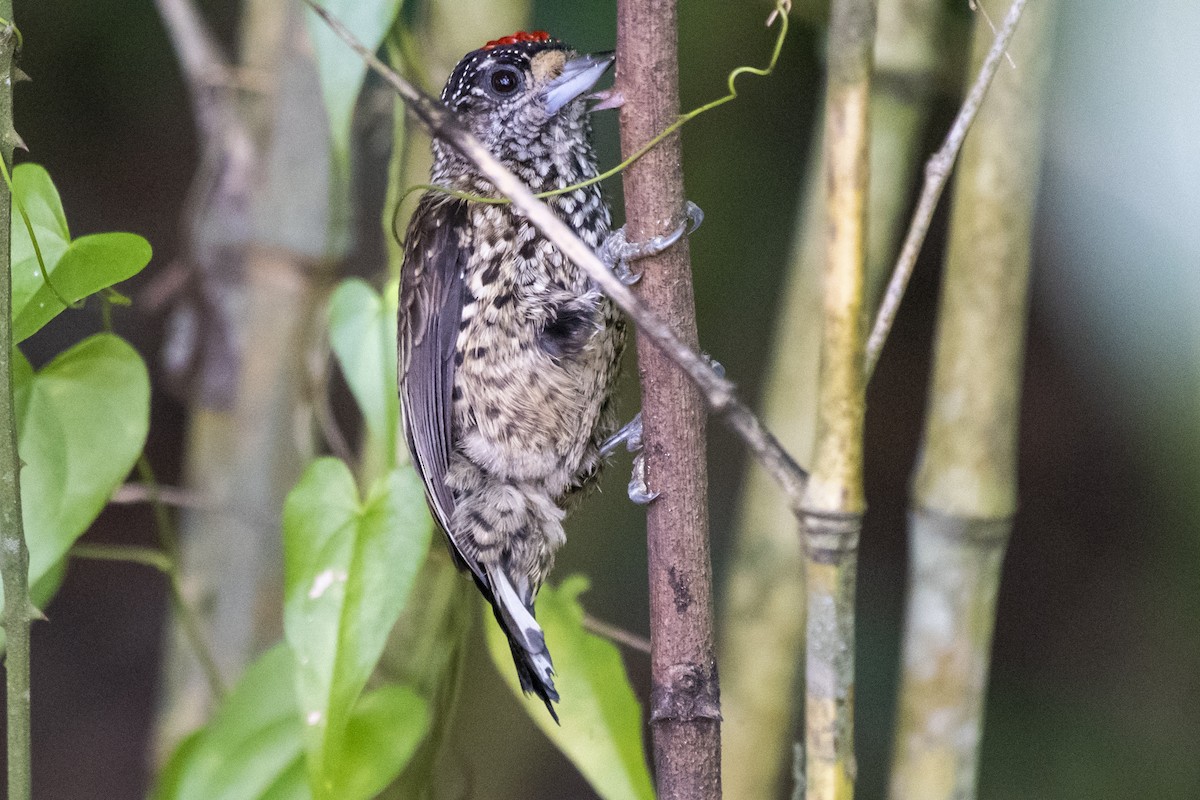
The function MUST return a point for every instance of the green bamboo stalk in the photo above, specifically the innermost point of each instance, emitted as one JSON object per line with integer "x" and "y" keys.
{"x": 14, "y": 563}
{"x": 833, "y": 501}
{"x": 762, "y": 617}
{"x": 965, "y": 489}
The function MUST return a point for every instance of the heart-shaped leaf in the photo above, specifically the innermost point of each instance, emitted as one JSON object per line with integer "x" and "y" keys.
{"x": 77, "y": 268}
{"x": 82, "y": 422}
{"x": 601, "y": 729}
{"x": 251, "y": 749}
{"x": 362, "y": 333}
{"x": 382, "y": 735}
{"x": 349, "y": 565}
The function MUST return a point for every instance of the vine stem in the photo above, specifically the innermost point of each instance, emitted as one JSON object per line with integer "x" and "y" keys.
{"x": 166, "y": 559}
{"x": 188, "y": 619}
{"x": 14, "y": 553}
{"x": 782, "y": 8}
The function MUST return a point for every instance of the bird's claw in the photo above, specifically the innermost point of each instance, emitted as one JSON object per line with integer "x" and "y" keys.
{"x": 631, "y": 436}
{"x": 639, "y": 492}
{"x": 617, "y": 251}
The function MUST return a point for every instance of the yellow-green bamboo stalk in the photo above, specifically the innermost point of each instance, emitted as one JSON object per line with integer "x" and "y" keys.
{"x": 964, "y": 493}
{"x": 762, "y": 620}
{"x": 833, "y": 501}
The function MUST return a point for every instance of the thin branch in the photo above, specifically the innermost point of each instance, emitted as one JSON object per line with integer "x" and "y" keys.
{"x": 173, "y": 496}
{"x": 718, "y": 393}
{"x": 204, "y": 65}
{"x": 619, "y": 635}
{"x": 156, "y": 559}
{"x": 14, "y": 563}
{"x": 124, "y": 553}
{"x": 937, "y": 172}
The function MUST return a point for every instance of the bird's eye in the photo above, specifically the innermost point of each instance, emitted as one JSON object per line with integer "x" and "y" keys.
{"x": 505, "y": 81}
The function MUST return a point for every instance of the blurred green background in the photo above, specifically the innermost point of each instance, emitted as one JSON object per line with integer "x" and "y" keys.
{"x": 1096, "y": 677}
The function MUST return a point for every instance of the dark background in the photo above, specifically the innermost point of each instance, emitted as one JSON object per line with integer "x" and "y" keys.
{"x": 1096, "y": 676}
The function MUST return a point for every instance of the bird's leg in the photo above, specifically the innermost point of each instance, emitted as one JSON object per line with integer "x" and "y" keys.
{"x": 617, "y": 252}
{"x": 631, "y": 436}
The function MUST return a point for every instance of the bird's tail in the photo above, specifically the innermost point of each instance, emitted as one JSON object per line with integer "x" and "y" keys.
{"x": 525, "y": 637}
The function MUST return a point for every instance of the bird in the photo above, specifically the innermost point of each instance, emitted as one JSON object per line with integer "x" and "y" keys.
{"x": 508, "y": 352}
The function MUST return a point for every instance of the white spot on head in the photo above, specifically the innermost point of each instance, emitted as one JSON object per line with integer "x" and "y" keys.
{"x": 314, "y": 718}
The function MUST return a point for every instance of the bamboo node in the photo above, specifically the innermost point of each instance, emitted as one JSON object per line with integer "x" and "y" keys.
{"x": 830, "y": 536}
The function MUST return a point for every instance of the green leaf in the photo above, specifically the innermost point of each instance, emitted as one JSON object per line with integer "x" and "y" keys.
{"x": 601, "y": 728}
{"x": 252, "y": 749}
{"x": 82, "y": 421}
{"x": 362, "y": 332}
{"x": 341, "y": 69}
{"x": 77, "y": 268}
{"x": 383, "y": 733}
{"x": 348, "y": 568}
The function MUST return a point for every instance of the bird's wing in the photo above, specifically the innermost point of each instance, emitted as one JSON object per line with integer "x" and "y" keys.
{"x": 431, "y": 301}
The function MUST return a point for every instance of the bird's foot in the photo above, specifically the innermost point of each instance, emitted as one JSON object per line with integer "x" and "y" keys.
{"x": 631, "y": 436}
{"x": 617, "y": 252}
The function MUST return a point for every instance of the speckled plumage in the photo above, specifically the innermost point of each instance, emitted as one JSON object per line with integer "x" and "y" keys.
{"x": 508, "y": 351}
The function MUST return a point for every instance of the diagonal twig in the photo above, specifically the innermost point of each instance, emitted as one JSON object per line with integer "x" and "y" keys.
{"x": 616, "y": 634}
{"x": 937, "y": 172}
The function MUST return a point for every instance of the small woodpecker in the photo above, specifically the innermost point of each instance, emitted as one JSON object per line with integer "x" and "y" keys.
{"x": 508, "y": 351}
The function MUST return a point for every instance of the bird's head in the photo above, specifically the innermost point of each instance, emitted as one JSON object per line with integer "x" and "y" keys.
{"x": 524, "y": 93}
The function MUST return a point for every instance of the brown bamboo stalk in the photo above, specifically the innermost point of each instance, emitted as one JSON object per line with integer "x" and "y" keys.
{"x": 685, "y": 714}
{"x": 833, "y": 500}
{"x": 965, "y": 489}
{"x": 762, "y": 618}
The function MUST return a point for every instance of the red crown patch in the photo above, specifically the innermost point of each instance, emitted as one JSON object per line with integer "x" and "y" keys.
{"x": 519, "y": 36}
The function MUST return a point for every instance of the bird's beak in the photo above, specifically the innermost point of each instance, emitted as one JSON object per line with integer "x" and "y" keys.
{"x": 578, "y": 76}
